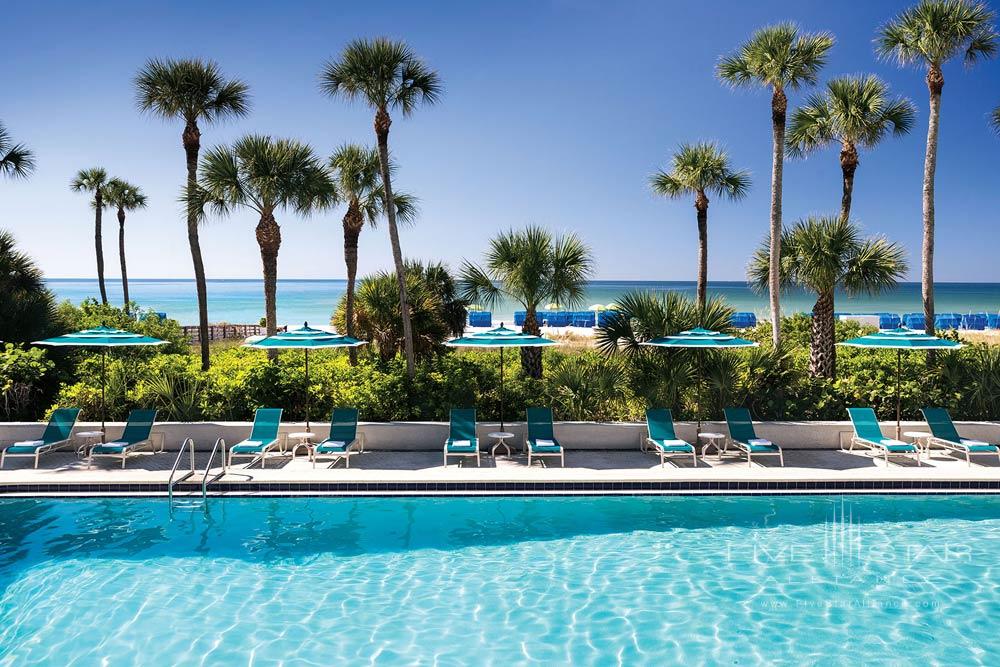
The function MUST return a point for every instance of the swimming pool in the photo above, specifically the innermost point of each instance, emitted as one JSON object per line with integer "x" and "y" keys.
{"x": 582, "y": 581}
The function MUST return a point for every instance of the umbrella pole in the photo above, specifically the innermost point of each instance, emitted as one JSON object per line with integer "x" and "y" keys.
{"x": 104, "y": 381}
{"x": 307, "y": 389}
{"x": 899, "y": 400}
{"x": 501, "y": 389}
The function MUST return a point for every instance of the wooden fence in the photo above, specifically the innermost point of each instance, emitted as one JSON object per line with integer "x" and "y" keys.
{"x": 224, "y": 332}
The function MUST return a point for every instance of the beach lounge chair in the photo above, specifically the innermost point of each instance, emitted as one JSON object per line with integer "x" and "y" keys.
{"x": 263, "y": 437}
{"x": 868, "y": 433}
{"x": 541, "y": 441}
{"x": 743, "y": 436}
{"x": 343, "y": 438}
{"x": 136, "y": 435}
{"x": 462, "y": 440}
{"x": 944, "y": 433}
{"x": 58, "y": 434}
{"x": 661, "y": 439}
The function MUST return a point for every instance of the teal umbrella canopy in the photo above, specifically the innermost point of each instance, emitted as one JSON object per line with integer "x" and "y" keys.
{"x": 500, "y": 338}
{"x": 101, "y": 337}
{"x": 104, "y": 338}
{"x": 305, "y": 338}
{"x": 700, "y": 338}
{"x": 901, "y": 339}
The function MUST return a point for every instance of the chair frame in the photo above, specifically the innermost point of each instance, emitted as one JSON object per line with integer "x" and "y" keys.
{"x": 878, "y": 446}
{"x": 540, "y": 455}
{"x": 651, "y": 443}
{"x": 155, "y": 442}
{"x": 952, "y": 447}
{"x": 280, "y": 442}
{"x": 746, "y": 447}
{"x": 359, "y": 439}
{"x": 46, "y": 448}
{"x": 474, "y": 440}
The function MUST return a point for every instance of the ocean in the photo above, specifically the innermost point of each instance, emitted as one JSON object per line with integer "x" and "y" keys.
{"x": 242, "y": 301}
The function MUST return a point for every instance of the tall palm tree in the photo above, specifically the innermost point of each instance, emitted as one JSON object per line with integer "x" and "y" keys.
{"x": 94, "y": 181}
{"x": 995, "y": 120}
{"x": 821, "y": 255}
{"x": 27, "y": 309}
{"x": 853, "y": 111}
{"x": 930, "y": 34}
{"x": 699, "y": 169}
{"x": 123, "y": 196}
{"x": 265, "y": 175}
{"x": 16, "y": 161}
{"x": 386, "y": 75}
{"x": 531, "y": 267}
{"x": 357, "y": 177}
{"x": 777, "y": 57}
{"x": 193, "y": 91}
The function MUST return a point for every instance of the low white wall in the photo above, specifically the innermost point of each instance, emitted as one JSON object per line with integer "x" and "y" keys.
{"x": 573, "y": 435}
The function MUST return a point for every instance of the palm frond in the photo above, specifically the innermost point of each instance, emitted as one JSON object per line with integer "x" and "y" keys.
{"x": 16, "y": 161}
{"x": 935, "y": 31}
{"x": 386, "y": 74}
{"x": 777, "y": 56}
{"x": 191, "y": 90}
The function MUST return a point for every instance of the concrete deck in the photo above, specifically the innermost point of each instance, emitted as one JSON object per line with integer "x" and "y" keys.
{"x": 60, "y": 472}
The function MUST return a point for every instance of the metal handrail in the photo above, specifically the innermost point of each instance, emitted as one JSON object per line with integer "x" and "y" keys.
{"x": 208, "y": 466}
{"x": 173, "y": 470}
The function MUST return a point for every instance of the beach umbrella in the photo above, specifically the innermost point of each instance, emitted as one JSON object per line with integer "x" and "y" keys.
{"x": 104, "y": 338}
{"x": 901, "y": 339}
{"x": 305, "y": 338}
{"x": 701, "y": 339}
{"x": 597, "y": 307}
{"x": 500, "y": 338}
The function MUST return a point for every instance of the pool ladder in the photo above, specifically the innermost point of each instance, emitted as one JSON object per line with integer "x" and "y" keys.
{"x": 206, "y": 477}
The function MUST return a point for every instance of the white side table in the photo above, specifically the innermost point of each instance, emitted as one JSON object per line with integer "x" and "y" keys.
{"x": 88, "y": 440}
{"x": 304, "y": 439}
{"x": 717, "y": 440}
{"x": 501, "y": 438}
{"x": 920, "y": 439}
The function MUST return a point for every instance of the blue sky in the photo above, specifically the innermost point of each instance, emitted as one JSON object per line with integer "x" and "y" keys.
{"x": 554, "y": 112}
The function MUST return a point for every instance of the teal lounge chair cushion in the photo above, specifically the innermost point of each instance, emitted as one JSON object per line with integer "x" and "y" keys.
{"x": 26, "y": 447}
{"x": 673, "y": 445}
{"x": 249, "y": 447}
{"x": 943, "y": 428}
{"x": 545, "y": 445}
{"x": 332, "y": 447}
{"x": 760, "y": 445}
{"x": 979, "y": 446}
{"x": 896, "y": 445}
{"x": 462, "y": 446}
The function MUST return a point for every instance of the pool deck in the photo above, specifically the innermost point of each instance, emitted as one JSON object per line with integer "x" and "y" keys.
{"x": 586, "y": 472}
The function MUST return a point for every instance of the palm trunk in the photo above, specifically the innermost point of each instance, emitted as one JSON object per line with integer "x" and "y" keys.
{"x": 121, "y": 255}
{"x": 353, "y": 222}
{"x": 269, "y": 240}
{"x": 382, "y": 123}
{"x": 779, "y": 106}
{"x": 191, "y": 138}
{"x": 531, "y": 357}
{"x": 701, "y": 205}
{"x": 99, "y": 245}
{"x": 848, "y": 165}
{"x": 822, "y": 348}
{"x": 935, "y": 83}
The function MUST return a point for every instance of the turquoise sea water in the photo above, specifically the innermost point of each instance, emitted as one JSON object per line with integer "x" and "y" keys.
{"x": 242, "y": 301}
{"x": 501, "y": 581}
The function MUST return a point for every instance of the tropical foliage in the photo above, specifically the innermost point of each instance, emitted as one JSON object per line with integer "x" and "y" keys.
{"x": 779, "y": 58}
{"x": 386, "y": 75}
{"x": 193, "y": 92}
{"x": 701, "y": 169}
{"x": 822, "y": 255}
{"x": 27, "y": 309}
{"x": 531, "y": 267}
{"x": 16, "y": 161}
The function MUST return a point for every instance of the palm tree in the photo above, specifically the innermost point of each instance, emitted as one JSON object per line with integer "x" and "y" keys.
{"x": 123, "y": 196}
{"x": 777, "y": 57}
{"x": 94, "y": 181}
{"x": 386, "y": 75}
{"x": 265, "y": 175}
{"x": 853, "y": 111}
{"x": 27, "y": 311}
{"x": 930, "y": 34}
{"x": 357, "y": 178}
{"x": 821, "y": 255}
{"x": 16, "y": 161}
{"x": 193, "y": 91}
{"x": 995, "y": 120}
{"x": 699, "y": 169}
{"x": 531, "y": 267}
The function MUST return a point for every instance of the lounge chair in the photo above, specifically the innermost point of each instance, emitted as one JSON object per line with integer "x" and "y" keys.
{"x": 342, "y": 439}
{"x": 743, "y": 436}
{"x": 136, "y": 435}
{"x": 944, "y": 433}
{"x": 263, "y": 437}
{"x": 58, "y": 434}
{"x": 868, "y": 433}
{"x": 462, "y": 440}
{"x": 661, "y": 438}
{"x": 541, "y": 440}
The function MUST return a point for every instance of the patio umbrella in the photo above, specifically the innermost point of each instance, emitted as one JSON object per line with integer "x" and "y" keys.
{"x": 701, "y": 339}
{"x": 901, "y": 339}
{"x": 500, "y": 337}
{"x": 305, "y": 338}
{"x": 104, "y": 338}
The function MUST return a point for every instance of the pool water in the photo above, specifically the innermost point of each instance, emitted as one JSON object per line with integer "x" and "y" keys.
{"x": 500, "y": 581}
